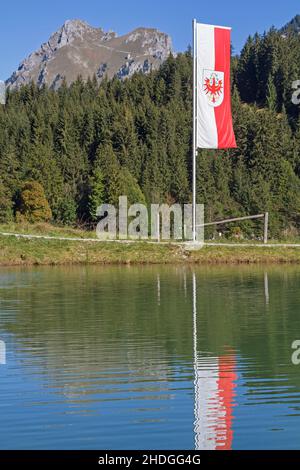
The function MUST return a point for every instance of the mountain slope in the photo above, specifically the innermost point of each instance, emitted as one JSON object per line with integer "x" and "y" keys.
{"x": 293, "y": 26}
{"x": 80, "y": 49}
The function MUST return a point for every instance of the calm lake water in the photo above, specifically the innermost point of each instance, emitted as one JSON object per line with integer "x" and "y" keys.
{"x": 149, "y": 358}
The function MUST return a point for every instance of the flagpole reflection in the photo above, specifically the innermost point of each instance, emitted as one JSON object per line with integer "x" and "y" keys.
{"x": 266, "y": 283}
{"x": 184, "y": 284}
{"x": 158, "y": 290}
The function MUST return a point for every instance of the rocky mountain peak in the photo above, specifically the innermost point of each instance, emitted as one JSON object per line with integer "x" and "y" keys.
{"x": 77, "y": 48}
{"x": 71, "y": 30}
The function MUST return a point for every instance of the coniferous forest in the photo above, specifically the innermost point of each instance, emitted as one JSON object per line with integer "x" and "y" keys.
{"x": 73, "y": 149}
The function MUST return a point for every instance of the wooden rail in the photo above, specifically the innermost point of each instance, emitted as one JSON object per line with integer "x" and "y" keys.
{"x": 248, "y": 217}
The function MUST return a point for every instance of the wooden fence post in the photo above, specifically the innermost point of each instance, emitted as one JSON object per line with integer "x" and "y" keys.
{"x": 158, "y": 227}
{"x": 266, "y": 228}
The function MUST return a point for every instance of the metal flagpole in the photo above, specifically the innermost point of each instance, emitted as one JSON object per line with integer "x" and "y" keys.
{"x": 194, "y": 124}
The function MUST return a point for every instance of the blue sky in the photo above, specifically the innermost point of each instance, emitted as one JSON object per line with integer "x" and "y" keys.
{"x": 24, "y": 25}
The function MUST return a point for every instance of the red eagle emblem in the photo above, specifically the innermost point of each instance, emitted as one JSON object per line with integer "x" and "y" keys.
{"x": 213, "y": 86}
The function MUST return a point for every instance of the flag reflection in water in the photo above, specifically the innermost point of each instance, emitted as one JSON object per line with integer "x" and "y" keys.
{"x": 214, "y": 399}
{"x": 215, "y": 382}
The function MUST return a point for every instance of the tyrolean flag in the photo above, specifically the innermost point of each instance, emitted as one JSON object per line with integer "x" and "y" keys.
{"x": 213, "y": 119}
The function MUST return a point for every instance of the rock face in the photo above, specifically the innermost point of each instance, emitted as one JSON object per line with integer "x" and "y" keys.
{"x": 2, "y": 92}
{"x": 80, "y": 49}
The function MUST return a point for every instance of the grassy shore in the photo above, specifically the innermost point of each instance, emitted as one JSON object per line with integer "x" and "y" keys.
{"x": 27, "y": 252}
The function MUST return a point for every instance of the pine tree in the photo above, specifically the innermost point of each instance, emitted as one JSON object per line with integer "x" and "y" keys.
{"x": 271, "y": 94}
{"x": 96, "y": 193}
{"x": 6, "y": 204}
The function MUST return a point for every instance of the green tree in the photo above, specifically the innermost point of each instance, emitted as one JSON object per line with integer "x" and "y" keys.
{"x": 96, "y": 193}
{"x": 6, "y": 204}
{"x": 129, "y": 187}
{"x": 271, "y": 95}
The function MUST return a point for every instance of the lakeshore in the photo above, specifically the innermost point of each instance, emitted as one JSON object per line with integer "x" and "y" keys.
{"x": 43, "y": 244}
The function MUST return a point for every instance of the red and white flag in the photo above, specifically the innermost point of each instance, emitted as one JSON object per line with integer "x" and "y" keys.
{"x": 214, "y": 129}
